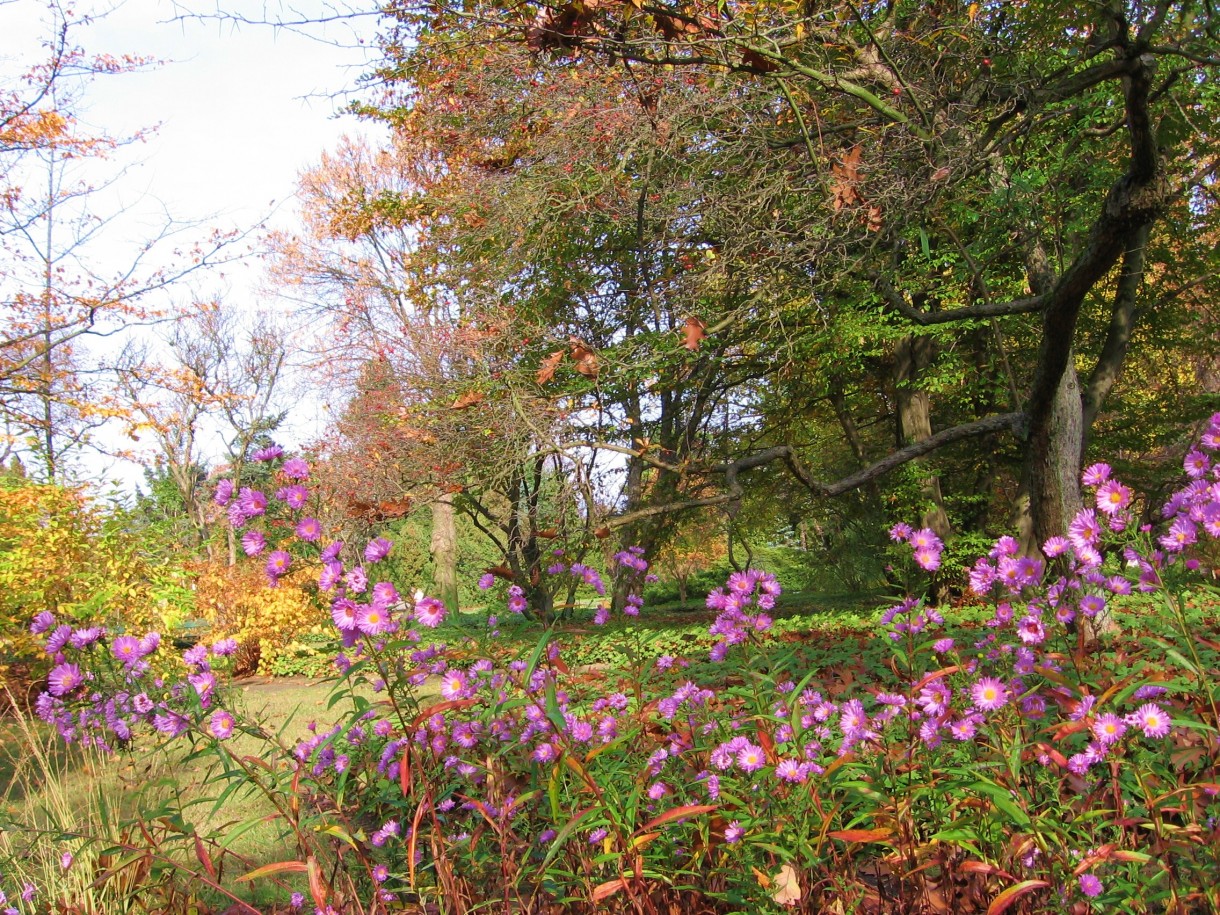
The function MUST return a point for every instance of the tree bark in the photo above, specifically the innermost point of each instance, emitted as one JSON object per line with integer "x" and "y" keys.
{"x": 912, "y": 355}
{"x": 444, "y": 551}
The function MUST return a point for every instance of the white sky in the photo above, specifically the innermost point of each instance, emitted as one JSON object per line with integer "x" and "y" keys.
{"x": 241, "y": 111}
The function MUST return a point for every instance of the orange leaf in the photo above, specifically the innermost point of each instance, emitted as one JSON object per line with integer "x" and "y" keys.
{"x": 1012, "y": 894}
{"x": 936, "y": 675}
{"x": 404, "y": 771}
{"x": 547, "y": 371}
{"x": 693, "y": 331}
{"x": 317, "y": 888}
{"x": 439, "y": 707}
{"x": 861, "y": 835}
{"x": 278, "y": 867}
{"x": 469, "y": 399}
{"x": 677, "y": 813}
{"x": 982, "y": 867}
{"x": 609, "y": 888}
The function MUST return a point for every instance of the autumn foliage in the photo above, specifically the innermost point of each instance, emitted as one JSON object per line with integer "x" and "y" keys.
{"x": 237, "y": 603}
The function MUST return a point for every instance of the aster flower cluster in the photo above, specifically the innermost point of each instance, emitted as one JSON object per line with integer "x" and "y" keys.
{"x": 926, "y": 544}
{"x": 753, "y": 590}
{"x": 103, "y": 686}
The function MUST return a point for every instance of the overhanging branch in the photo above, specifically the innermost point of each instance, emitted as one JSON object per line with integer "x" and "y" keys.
{"x": 732, "y": 471}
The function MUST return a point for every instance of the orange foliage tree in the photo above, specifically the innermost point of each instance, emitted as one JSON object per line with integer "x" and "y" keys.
{"x": 55, "y": 292}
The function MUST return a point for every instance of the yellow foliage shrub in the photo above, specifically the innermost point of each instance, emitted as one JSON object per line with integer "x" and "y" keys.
{"x": 238, "y": 602}
{"x": 59, "y": 554}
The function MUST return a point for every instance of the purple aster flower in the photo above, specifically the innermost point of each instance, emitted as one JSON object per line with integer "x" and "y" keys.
{"x": 733, "y": 832}
{"x": 169, "y": 723}
{"x": 343, "y": 612}
{"x": 356, "y": 580}
{"x": 221, "y": 725}
{"x": 83, "y": 638}
{"x": 1095, "y": 474}
{"x": 59, "y": 637}
{"x": 42, "y": 622}
{"x": 1196, "y": 464}
{"x": 1151, "y": 719}
{"x": 1031, "y": 631}
{"x": 516, "y": 599}
{"x": 1090, "y": 885}
{"x": 373, "y": 619}
{"x": 251, "y": 502}
{"x": 1108, "y": 729}
{"x": 294, "y": 496}
{"x": 1181, "y": 534}
{"x": 1112, "y": 497}
{"x": 429, "y": 612}
{"x": 989, "y": 694}
{"x": 278, "y": 563}
{"x": 223, "y": 493}
{"x": 597, "y": 835}
{"x": 751, "y": 758}
{"x": 377, "y": 550}
{"x": 454, "y": 685}
{"x": 1056, "y": 546}
{"x": 384, "y": 593}
{"x": 295, "y": 469}
{"x": 486, "y": 580}
{"x": 127, "y": 649}
{"x": 253, "y": 542}
{"x": 63, "y": 679}
{"x": 270, "y": 453}
{"x": 790, "y": 770}
{"x": 330, "y": 576}
{"x": 853, "y": 721}
{"x": 331, "y": 552}
{"x": 900, "y": 532}
{"x": 1149, "y": 691}
{"x": 309, "y": 529}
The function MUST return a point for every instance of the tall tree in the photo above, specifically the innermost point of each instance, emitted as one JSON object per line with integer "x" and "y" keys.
{"x": 56, "y": 291}
{"x": 982, "y": 175}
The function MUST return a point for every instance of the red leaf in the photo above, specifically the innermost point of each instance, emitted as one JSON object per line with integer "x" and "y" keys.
{"x": 861, "y": 835}
{"x": 204, "y": 858}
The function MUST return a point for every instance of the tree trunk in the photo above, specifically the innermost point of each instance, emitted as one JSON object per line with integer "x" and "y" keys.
{"x": 911, "y": 356}
{"x": 444, "y": 551}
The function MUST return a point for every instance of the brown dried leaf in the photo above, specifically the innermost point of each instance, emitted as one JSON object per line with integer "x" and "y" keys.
{"x": 787, "y": 887}
{"x": 547, "y": 370}
{"x": 693, "y": 331}
{"x": 469, "y": 399}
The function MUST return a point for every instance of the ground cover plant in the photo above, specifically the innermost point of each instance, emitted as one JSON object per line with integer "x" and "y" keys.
{"x": 993, "y": 761}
